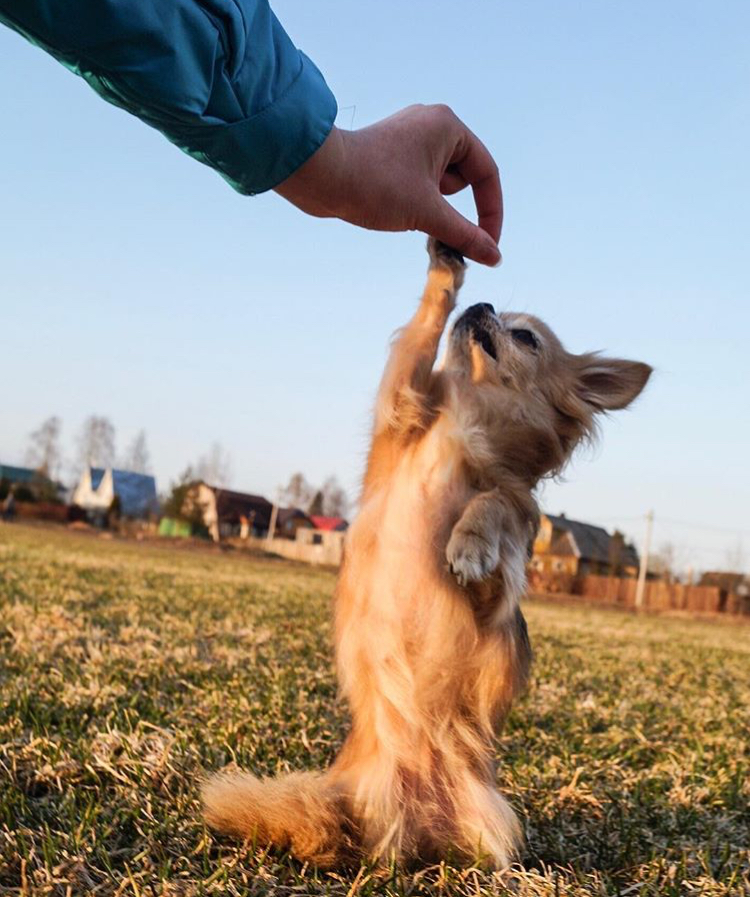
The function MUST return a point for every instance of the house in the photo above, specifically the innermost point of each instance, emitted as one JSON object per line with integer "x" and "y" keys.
{"x": 572, "y": 548}
{"x": 17, "y": 475}
{"x": 226, "y": 513}
{"x": 289, "y": 520}
{"x": 229, "y": 514}
{"x": 98, "y": 488}
{"x": 29, "y": 484}
{"x": 329, "y": 524}
{"x": 732, "y": 583}
{"x": 734, "y": 590}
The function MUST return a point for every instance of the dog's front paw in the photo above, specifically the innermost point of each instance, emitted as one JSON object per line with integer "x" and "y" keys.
{"x": 471, "y": 557}
{"x": 442, "y": 256}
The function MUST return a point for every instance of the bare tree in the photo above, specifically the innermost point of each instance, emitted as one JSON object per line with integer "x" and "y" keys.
{"x": 670, "y": 562}
{"x": 43, "y": 452}
{"x": 335, "y": 500}
{"x": 96, "y": 442}
{"x": 297, "y": 493}
{"x": 662, "y": 562}
{"x": 136, "y": 457}
{"x": 615, "y": 553}
{"x": 316, "y": 508}
{"x": 330, "y": 499}
{"x": 175, "y": 503}
{"x": 215, "y": 467}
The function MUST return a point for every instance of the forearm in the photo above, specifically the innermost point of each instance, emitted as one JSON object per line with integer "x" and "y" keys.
{"x": 501, "y": 512}
{"x": 496, "y": 525}
{"x": 485, "y": 516}
{"x": 220, "y": 79}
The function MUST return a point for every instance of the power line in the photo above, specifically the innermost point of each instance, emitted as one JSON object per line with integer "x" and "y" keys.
{"x": 697, "y": 549}
{"x": 671, "y": 520}
{"x": 705, "y": 526}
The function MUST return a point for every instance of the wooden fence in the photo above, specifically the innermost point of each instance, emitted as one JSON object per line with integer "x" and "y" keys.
{"x": 661, "y": 595}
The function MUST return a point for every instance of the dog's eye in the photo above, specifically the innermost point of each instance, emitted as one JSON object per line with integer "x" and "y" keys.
{"x": 526, "y": 337}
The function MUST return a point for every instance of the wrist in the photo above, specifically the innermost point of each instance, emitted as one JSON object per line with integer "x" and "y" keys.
{"x": 315, "y": 187}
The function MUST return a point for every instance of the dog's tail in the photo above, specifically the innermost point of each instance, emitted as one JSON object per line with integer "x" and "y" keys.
{"x": 302, "y": 812}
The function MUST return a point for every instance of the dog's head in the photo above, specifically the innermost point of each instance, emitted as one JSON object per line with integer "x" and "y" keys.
{"x": 535, "y": 401}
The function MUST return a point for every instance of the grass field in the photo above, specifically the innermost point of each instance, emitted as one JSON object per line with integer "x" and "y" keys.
{"x": 126, "y": 670}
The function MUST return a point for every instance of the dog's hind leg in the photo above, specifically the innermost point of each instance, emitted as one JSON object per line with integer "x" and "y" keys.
{"x": 403, "y": 403}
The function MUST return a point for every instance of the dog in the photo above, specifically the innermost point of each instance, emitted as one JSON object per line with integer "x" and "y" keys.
{"x": 431, "y": 645}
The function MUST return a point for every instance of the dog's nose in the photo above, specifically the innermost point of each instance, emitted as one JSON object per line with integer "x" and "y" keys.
{"x": 481, "y": 308}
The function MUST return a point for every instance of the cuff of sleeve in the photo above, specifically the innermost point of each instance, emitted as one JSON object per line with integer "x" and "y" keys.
{"x": 258, "y": 153}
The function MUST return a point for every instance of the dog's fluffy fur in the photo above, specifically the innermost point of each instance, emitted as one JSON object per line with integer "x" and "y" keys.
{"x": 431, "y": 644}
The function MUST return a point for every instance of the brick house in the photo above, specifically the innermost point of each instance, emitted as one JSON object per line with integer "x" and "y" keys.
{"x": 571, "y": 549}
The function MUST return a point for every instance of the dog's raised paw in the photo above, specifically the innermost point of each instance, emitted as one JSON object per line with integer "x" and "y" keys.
{"x": 442, "y": 256}
{"x": 471, "y": 557}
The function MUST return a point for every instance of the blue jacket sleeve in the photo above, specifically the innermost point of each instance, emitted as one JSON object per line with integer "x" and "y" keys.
{"x": 219, "y": 78}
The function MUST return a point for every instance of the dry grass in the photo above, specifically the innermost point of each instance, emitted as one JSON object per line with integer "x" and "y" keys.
{"x": 126, "y": 670}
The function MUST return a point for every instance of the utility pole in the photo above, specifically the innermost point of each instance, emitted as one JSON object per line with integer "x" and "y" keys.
{"x": 641, "y": 587}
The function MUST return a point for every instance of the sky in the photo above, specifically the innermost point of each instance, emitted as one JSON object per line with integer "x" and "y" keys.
{"x": 135, "y": 283}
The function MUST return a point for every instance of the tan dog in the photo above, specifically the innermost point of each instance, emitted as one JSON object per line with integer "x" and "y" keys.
{"x": 431, "y": 644}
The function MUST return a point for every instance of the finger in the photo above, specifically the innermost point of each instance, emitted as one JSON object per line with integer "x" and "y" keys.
{"x": 473, "y": 162}
{"x": 451, "y": 228}
{"x": 452, "y": 182}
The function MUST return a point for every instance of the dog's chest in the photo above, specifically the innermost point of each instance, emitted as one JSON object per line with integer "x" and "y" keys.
{"x": 415, "y": 509}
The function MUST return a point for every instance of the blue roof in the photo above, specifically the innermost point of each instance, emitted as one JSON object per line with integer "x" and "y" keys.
{"x": 136, "y": 491}
{"x": 17, "y": 474}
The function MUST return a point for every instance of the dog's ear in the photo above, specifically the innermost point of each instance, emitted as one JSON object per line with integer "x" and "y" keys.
{"x": 609, "y": 384}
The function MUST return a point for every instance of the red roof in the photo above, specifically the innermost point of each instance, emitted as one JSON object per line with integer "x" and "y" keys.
{"x": 329, "y": 523}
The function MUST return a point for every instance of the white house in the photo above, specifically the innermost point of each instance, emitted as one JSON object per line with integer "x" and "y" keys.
{"x": 97, "y": 488}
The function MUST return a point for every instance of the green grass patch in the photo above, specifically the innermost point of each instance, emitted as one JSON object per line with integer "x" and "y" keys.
{"x": 128, "y": 670}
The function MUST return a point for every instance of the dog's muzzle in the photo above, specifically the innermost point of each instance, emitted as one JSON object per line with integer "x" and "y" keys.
{"x": 475, "y": 320}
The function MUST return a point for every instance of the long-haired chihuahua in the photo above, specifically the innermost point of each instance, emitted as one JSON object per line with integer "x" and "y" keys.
{"x": 431, "y": 645}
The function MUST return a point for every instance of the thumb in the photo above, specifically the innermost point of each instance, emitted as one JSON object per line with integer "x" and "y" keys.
{"x": 451, "y": 228}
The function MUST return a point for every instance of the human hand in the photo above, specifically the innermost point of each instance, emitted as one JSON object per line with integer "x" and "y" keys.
{"x": 394, "y": 175}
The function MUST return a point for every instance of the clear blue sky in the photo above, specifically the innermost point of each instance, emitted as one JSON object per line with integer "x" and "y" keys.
{"x": 134, "y": 283}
